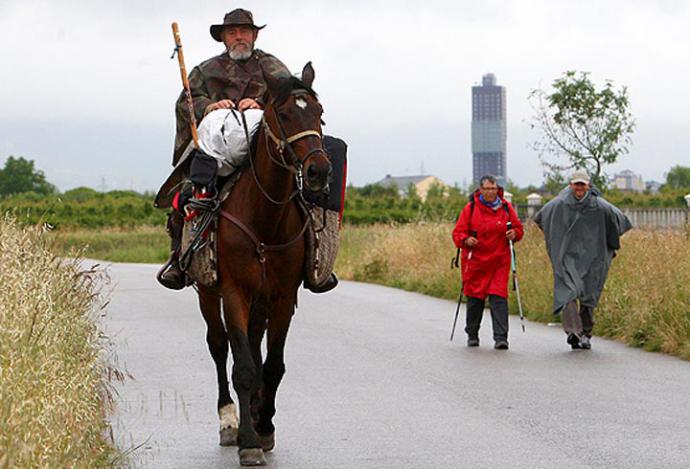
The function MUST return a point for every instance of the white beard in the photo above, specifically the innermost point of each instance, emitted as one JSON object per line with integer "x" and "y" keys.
{"x": 241, "y": 53}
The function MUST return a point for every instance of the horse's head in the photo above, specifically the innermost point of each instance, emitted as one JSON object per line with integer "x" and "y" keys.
{"x": 293, "y": 122}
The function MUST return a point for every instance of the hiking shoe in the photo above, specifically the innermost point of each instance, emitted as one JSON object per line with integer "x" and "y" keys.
{"x": 585, "y": 343}
{"x": 170, "y": 276}
{"x": 473, "y": 342}
{"x": 501, "y": 345}
{"x": 574, "y": 341}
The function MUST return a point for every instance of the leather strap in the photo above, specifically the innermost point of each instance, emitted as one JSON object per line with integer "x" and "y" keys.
{"x": 261, "y": 248}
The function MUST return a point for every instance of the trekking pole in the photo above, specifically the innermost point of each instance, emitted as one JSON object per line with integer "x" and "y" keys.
{"x": 185, "y": 83}
{"x": 516, "y": 285}
{"x": 453, "y": 264}
{"x": 454, "y": 261}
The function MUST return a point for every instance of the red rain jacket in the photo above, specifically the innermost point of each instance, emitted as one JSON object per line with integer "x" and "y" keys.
{"x": 486, "y": 266}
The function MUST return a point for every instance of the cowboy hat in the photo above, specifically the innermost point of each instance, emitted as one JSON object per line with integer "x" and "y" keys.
{"x": 237, "y": 17}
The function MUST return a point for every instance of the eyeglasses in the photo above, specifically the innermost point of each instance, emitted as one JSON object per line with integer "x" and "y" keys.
{"x": 489, "y": 188}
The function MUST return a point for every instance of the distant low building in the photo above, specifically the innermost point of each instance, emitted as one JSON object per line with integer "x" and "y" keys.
{"x": 422, "y": 183}
{"x": 626, "y": 180}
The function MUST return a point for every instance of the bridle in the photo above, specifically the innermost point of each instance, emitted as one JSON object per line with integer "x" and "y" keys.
{"x": 283, "y": 145}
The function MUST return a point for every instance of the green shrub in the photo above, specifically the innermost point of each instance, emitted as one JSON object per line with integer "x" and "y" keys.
{"x": 85, "y": 208}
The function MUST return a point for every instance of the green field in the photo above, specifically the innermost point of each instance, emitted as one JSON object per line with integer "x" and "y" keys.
{"x": 142, "y": 244}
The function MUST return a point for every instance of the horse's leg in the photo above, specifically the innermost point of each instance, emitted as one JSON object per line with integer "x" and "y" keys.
{"x": 236, "y": 310}
{"x": 257, "y": 329}
{"x": 273, "y": 372}
{"x": 217, "y": 340}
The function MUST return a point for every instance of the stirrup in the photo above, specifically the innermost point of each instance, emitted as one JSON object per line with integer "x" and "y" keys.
{"x": 170, "y": 275}
{"x": 328, "y": 285}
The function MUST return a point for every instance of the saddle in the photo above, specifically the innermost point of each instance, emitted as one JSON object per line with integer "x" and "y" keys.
{"x": 322, "y": 214}
{"x": 199, "y": 248}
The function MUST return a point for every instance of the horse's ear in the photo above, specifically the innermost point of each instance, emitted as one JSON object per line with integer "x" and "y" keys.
{"x": 308, "y": 75}
{"x": 271, "y": 81}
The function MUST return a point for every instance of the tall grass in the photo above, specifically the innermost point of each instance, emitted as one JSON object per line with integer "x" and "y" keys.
{"x": 53, "y": 386}
{"x": 413, "y": 257}
{"x": 646, "y": 301}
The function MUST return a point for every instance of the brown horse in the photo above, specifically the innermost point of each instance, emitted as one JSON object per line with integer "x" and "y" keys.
{"x": 261, "y": 262}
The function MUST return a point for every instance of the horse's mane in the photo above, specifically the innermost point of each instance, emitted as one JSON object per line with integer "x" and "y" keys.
{"x": 287, "y": 85}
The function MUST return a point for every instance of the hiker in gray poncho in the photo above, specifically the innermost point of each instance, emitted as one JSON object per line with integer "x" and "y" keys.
{"x": 582, "y": 232}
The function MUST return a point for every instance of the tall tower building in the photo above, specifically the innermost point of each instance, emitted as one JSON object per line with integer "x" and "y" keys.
{"x": 489, "y": 130}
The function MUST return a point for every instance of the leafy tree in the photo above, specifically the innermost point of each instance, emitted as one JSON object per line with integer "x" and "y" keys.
{"x": 554, "y": 182}
{"x": 377, "y": 190}
{"x": 590, "y": 127}
{"x": 511, "y": 187}
{"x": 19, "y": 175}
{"x": 436, "y": 191}
{"x": 678, "y": 177}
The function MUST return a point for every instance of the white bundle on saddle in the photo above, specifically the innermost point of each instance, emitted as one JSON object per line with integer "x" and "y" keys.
{"x": 221, "y": 135}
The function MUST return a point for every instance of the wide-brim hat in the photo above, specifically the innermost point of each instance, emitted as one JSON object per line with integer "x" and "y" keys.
{"x": 237, "y": 17}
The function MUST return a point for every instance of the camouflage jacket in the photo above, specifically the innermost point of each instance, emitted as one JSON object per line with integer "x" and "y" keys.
{"x": 219, "y": 78}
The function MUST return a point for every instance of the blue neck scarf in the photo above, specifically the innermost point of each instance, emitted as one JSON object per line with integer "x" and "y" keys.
{"x": 493, "y": 205}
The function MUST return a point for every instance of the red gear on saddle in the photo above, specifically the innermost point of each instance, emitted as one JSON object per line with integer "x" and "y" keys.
{"x": 180, "y": 205}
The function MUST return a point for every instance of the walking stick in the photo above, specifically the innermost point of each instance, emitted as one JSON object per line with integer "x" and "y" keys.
{"x": 185, "y": 83}
{"x": 455, "y": 264}
{"x": 516, "y": 285}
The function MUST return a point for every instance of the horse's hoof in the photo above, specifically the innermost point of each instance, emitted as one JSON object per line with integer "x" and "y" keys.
{"x": 228, "y": 436}
{"x": 252, "y": 457}
{"x": 267, "y": 442}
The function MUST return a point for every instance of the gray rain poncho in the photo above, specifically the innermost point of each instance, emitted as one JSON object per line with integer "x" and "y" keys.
{"x": 581, "y": 239}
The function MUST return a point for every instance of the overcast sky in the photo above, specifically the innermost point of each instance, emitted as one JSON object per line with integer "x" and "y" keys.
{"x": 88, "y": 87}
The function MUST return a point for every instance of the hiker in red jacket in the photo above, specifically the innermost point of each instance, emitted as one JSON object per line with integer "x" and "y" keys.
{"x": 482, "y": 234}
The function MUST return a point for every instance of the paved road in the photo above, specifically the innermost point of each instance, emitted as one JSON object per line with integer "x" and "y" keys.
{"x": 373, "y": 382}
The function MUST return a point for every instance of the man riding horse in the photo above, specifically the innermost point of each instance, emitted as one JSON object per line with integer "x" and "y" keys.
{"x": 236, "y": 80}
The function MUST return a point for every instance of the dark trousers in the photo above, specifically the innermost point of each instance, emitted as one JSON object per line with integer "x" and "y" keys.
{"x": 579, "y": 321}
{"x": 499, "y": 316}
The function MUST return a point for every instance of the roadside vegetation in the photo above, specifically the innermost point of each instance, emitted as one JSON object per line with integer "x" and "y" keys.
{"x": 54, "y": 366}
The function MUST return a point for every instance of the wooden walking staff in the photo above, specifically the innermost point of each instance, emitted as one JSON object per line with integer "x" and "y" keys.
{"x": 185, "y": 83}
